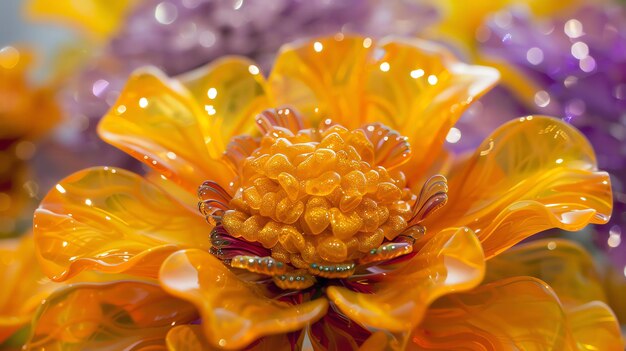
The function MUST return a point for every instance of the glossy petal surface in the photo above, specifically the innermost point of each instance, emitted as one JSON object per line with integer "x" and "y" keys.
{"x": 232, "y": 92}
{"x": 564, "y": 265}
{"x": 418, "y": 78}
{"x": 354, "y": 80}
{"x": 115, "y": 316}
{"x": 530, "y": 175}
{"x": 452, "y": 261}
{"x": 23, "y": 284}
{"x": 113, "y": 221}
{"x": 157, "y": 121}
{"x": 520, "y": 313}
{"x": 187, "y": 338}
{"x": 234, "y": 313}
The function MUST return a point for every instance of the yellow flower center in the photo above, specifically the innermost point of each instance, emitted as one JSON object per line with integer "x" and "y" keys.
{"x": 313, "y": 202}
{"x": 316, "y": 198}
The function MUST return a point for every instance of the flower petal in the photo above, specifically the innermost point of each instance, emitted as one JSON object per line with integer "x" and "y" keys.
{"x": 234, "y": 313}
{"x": 114, "y": 316}
{"x": 530, "y": 175}
{"x": 23, "y": 284}
{"x": 114, "y": 221}
{"x": 595, "y": 327}
{"x": 352, "y": 80}
{"x": 451, "y": 261}
{"x": 563, "y": 264}
{"x": 156, "y": 121}
{"x": 191, "y": 338}
{"x": 420, "y": 89}
{"x": 232, "y": 92}
{"x": 520, "y": 313}
{"x": 323, "y": 79}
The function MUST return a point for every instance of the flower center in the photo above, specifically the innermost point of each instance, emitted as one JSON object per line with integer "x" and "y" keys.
{"x": 321, "y": 200}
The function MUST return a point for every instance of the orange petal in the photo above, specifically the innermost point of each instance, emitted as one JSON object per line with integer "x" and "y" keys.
{"x": 157, "y": 121}
{"x": 323, "y": 79}
{"x": 234, "y": 313}
{"x": 353, "y": 80}
{"x": 24, "y": 286}
{"x": 452, "y": 261}
{"x": 521, "y": 313}
{"x": 115, "y": 316}
{"x": 420, "y": 89}
{"x": 530, "y": 175}
{"x": 114, "y": 221}
{"x": 232, "y": 92}
{"x": 594, "y": 327}
{"x": 563, "y": 264}
{"x": 187, "y": 338}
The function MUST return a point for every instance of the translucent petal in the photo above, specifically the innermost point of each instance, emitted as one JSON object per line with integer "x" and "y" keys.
{"x": 114, "y": 316}
{"x": 113, "y": 221}
{"x": 234, "y": 313}
{"x": 452, "y": 261}
{"x": 530, "y": 175}
{"x": 187, "y": 338}
{"x": 231, "y": 93}
{"x": 352, "y": 81}
{"x": 157, "y": 121}
{"x": 562, "y": 264}
{"x": 100, "y": 17}
{"x": 24, "y": 286}
{"x": 323, "y": 79}
{"x": 420, "y": 89}
{"x": 520, "y": 313}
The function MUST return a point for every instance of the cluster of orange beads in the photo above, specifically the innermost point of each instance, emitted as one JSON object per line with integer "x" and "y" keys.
{"x": 316, "y": 200}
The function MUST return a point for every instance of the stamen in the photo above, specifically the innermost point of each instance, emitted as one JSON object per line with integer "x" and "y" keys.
{"x": 298, "y": 279}
{"x": 262, "y": 265}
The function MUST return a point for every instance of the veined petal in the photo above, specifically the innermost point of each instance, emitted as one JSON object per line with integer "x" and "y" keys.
{"x": 530, "y": 175}
{"x": 563, "y": 264}
{"x": 191, "y": 338}
{"x": 420, "y": 89}
{"x": 452, "y": 261}
{"x": 24, "y": 286}
{"x": 232, "y": 91}
{"x": 234, "y": 313}
{"x": 323, "y": 79}
{"x": 157, "y": 121}
{"x": 520, "y": 313}
{"x": 114, "y": 221}
{"x": 116, "y": 316}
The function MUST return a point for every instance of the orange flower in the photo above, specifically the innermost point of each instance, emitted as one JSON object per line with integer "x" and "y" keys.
{"x": 26, "y": 113}
{"x": 342, "y": 215}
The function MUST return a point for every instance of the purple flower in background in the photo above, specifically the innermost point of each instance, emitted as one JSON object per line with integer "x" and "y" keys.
{"x": 180, "y": 35}
{"x": 579, "y": 62}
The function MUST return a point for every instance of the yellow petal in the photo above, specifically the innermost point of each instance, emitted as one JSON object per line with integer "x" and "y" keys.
{"x": 100, "y": 17}
{"x": 594, "y": 327}
{"x": 520, "y": 313}
{"x": 414, "y": 87}
{"x": 232, "y": 92}
{"x": 420, "y": 89}
{"x": 113, "y": 221}
{"x": 157, "y": 121}
{"x": 452, "y": 261}
{"x": 234, "y": 313}
{"x": 24, "y": 286}
{"x": 562, "y": 264}
{"x": 323, "y": 79}
{"x": 114, "y": 316}
{"x": 530, "y": 175}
